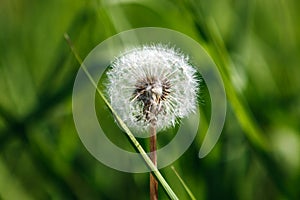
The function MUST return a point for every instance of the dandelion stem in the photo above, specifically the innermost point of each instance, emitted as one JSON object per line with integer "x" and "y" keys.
{"x": 153, "y": 157}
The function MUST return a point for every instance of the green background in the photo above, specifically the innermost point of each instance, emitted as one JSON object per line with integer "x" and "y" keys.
{"x": 255, "y": 45}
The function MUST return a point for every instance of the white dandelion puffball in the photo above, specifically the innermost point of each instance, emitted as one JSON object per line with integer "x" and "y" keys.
{"x": 152, "y": 84}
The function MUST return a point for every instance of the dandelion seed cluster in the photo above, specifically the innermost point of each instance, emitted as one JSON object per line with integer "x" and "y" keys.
{"x": 152, "y": 84}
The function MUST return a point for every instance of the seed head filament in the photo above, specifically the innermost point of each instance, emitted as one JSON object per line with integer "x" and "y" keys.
{"x": 152, "y": 85}
{"x": 151, "y": 91}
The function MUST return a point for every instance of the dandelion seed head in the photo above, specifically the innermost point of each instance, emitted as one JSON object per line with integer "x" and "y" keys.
{"x": 152, "y": 83}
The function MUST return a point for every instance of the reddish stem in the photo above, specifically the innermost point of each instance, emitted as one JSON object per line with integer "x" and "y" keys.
{"x": 153, "y": 157}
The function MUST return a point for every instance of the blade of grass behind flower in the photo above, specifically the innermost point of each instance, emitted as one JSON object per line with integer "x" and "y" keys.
{"x": 252, "y": 131}
{"x": 187, "y": 189}
{"x": 256, "y": 138}
{"x": 143, "y": 153}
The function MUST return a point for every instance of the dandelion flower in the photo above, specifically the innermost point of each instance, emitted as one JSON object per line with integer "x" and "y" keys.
{"x": 152, "y": 84}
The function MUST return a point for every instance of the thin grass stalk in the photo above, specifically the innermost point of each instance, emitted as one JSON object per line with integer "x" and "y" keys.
{"x": 140, "y": 149}
{"x": 187, "y": 189}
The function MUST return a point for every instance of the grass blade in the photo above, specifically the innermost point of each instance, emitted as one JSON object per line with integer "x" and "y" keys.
{"x": 187, "y": 189}
{"x": 140, "y": 149}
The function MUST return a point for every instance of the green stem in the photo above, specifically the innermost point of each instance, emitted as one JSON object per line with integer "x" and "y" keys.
{"x": 142, "y": 152}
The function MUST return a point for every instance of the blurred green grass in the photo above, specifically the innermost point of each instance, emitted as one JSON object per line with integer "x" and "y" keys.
{"x": 255, "y": 45}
